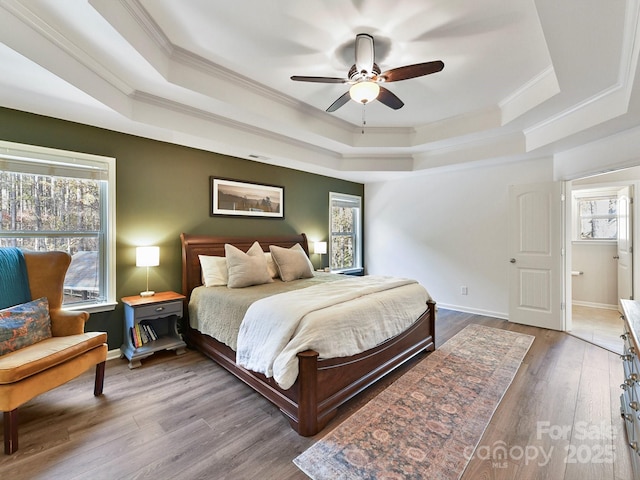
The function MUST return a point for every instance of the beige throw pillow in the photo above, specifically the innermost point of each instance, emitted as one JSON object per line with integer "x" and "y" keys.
{"x": 292, "y": 263}
{"x": 246, "y": 269}
{"x": 214, "y": 270}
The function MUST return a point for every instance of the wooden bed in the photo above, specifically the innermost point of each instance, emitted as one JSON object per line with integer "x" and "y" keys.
{"x": 322, "y": 384}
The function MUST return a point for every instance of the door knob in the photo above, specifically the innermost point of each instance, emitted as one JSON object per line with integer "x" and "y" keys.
{"x": 616, "y": 257}
{"x": 513, "y": 260}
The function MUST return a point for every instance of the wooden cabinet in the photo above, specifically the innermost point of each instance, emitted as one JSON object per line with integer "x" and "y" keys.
{"x": 630, "y": 398}
{"x": 161, "y": 313}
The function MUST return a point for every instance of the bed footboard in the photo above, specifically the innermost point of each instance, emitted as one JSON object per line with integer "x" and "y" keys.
{"x": 332, "y": 382}
{"x": 323, "y": 385}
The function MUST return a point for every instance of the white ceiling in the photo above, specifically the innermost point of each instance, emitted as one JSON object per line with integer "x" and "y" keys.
{"x": 522, "y": 78}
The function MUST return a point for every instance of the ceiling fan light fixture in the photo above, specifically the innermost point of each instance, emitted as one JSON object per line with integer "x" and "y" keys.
{"x": 364, "y": 92}
{"x": 365, "y": 77}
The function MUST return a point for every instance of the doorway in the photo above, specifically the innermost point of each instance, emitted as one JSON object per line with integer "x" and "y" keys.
{"x": 600, "y": 273}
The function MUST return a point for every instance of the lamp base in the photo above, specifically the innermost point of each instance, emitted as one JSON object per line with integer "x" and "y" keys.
{"x": 148, "y": 293}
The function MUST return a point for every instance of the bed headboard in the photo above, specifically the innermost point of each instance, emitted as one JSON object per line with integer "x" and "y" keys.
{"x": 194, "y": 245}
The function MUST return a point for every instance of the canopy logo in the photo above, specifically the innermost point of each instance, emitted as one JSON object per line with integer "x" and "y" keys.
{"x": 581, "y": 443}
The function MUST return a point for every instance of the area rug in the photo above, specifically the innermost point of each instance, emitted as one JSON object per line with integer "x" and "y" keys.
{"x": 427, "y": 423}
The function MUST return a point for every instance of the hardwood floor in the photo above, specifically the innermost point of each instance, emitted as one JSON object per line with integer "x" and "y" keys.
{"x": 183, "y": 417}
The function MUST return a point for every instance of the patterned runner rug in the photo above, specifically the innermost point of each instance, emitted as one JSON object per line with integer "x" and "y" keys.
{"x": 427, "y": 423}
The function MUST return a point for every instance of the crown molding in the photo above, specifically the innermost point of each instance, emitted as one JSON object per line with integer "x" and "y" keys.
{"x": 540, "y": 88}
{"x": 602, "y": 106}
{"x": 139, "y": 14}
{"x": 36, "y": 24}
{"x": 183, "y": 111}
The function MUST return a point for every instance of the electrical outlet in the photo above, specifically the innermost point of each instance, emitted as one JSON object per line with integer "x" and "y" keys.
{"x": 464, "y": 290}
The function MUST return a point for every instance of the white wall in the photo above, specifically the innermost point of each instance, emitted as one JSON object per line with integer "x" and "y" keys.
{"x": 598, "y": 284}
{"x": 448, "y": 229}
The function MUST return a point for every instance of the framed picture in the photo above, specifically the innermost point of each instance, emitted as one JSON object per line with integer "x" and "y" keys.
{"x": 236, "y": 198}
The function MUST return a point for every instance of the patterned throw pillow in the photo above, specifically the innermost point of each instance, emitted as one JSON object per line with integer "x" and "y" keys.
{"x": 24, "y": 325}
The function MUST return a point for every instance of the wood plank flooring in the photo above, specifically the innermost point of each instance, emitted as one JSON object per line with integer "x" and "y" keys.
{"x": 183, "y": 417}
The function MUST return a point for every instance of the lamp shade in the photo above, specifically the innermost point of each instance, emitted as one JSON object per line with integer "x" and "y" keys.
{"x": 364, "y": 92}
{"x": 147, "y": 256}
{"x": 320, "y": 247}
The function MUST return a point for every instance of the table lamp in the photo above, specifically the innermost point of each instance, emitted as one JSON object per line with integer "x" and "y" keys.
{"x": 147, "y": 257}
{"x": 320, "y": 248}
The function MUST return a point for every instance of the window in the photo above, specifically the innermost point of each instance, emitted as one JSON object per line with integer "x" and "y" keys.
{"x": 57, "y": 200}
{"x": 597, "y": 215}
{"x": 345, "y": 225}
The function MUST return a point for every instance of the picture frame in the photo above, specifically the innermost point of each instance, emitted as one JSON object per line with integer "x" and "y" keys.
{"x": 236, "y": 198}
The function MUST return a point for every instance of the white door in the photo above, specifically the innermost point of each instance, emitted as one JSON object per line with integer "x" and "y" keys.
{"x": 625, "y": 245}
{"x": 536, "y": 288}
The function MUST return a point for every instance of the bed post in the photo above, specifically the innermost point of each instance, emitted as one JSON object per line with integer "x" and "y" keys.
{"x": 432, "y": 320}
{"x": 307, "y": 393}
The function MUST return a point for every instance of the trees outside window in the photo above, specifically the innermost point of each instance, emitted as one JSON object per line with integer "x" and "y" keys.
{"x": 598, "y": 218}
{"x": 595, "y": 214}
{"x": 345, "y": 245}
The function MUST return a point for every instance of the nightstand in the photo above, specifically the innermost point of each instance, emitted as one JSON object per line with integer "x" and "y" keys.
{"x": 156, "y": 319}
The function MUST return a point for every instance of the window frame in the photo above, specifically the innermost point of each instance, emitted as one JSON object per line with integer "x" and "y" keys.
{"x": 590, "y": 194}
{"x": 38, "y": 160}
{"x": 357, "y": 267}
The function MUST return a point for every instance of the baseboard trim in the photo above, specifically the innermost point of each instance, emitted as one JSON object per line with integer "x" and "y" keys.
{"x": 113, "y": 354}
{"x": 475, "y": 311}
{"x": 505, "y": 316}
{"x": 604, "y": 306}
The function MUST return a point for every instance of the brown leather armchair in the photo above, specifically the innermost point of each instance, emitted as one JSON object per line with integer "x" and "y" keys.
{"x": 38, "y": 368}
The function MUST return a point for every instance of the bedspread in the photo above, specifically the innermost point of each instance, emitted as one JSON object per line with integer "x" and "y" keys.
{"x": 218, "y": 311}
{"x": 336, "y": 319}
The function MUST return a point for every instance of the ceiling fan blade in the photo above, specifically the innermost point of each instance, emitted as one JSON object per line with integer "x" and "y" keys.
{"x": 339, "y": 102}
{"x": 364, "y": 53}
{"x": 411, "y": 71}
{"x": 299, "y": 78}
{"x": 389, "y": 99}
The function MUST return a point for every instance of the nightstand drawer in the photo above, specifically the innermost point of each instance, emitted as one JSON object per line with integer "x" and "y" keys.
{"x": 159, "y": 310}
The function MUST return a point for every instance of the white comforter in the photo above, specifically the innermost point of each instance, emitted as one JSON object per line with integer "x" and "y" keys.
{"x": 275, "y": 329}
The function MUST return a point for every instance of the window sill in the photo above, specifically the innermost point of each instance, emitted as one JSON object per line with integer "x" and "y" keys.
{"x": 93, "y": 307}
{"x": 594, "y": 242}
{"x": 358, "y": 272}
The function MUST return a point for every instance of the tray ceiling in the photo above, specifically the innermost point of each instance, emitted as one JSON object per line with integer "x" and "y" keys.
{"x": 522, "y": 78}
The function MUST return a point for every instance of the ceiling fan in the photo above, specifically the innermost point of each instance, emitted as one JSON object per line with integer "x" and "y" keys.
{"x": 366, "y": 78}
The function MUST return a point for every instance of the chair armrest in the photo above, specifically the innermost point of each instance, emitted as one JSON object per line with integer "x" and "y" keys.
{"x": 67, "y": 322}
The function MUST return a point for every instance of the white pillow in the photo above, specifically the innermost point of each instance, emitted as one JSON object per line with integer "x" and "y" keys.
{"x": 214, "y": 270}
{"x": 292, "y": 263}
{"x": 271, "y": 265}
{"x": 246, "y": 269}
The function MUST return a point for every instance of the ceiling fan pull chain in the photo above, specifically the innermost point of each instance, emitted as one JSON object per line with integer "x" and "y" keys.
{"x": 364, "y": 120}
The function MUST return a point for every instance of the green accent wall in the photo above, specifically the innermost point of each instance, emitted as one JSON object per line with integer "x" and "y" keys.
{"x": 163, "y": 190}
